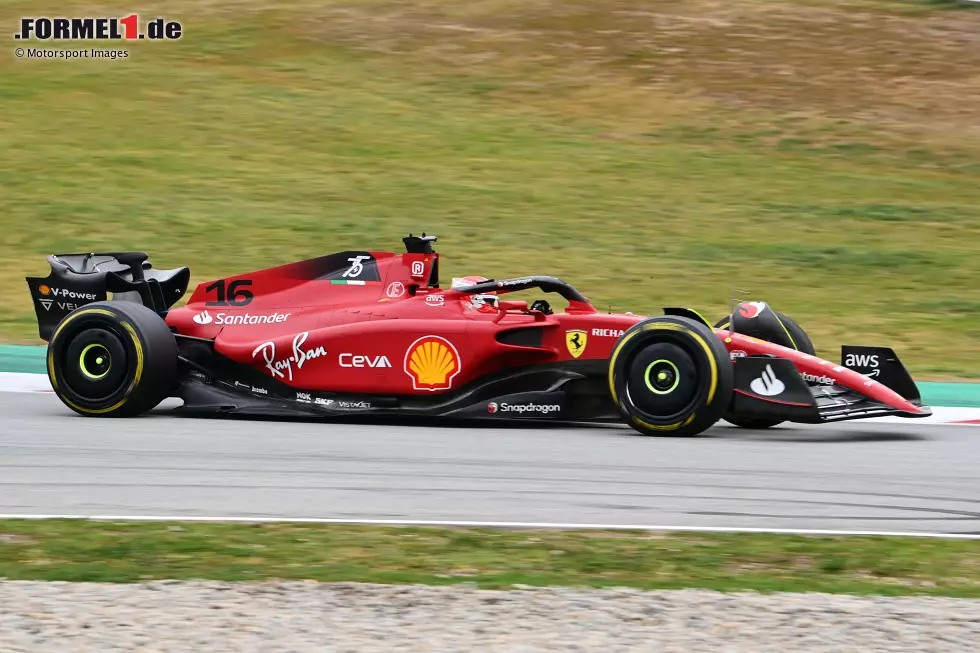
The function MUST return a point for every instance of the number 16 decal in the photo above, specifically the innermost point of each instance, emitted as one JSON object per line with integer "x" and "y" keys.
{"x": 233, "y": 295}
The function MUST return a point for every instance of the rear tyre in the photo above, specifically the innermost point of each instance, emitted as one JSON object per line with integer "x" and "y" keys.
{"x": 112, "y": 359}
{"x": 670, "y": 376}
{"x": 800, "y": 340}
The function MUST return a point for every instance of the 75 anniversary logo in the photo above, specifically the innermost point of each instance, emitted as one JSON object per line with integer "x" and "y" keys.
{"x": 98, "y": 29}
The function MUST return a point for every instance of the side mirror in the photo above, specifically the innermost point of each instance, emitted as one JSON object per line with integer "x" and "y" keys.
{"x": 504, "y": 306}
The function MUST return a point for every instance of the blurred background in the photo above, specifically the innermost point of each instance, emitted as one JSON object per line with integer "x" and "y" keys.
{"x": 823, "y": 155}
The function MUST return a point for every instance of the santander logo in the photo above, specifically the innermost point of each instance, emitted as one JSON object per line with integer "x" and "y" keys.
{"x": 767, "y": 384}
{"x": 205, "y": 317}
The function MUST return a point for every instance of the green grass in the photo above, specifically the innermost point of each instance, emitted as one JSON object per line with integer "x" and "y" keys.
{"x": 69, "y": 550}
{"x": 821, "y": 154}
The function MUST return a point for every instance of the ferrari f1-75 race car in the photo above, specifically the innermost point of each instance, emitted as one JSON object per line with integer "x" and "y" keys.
{"x": 363, "y": 332}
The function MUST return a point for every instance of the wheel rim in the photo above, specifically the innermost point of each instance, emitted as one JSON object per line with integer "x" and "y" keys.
{"x": 95, "y": 365}
{"x": 95, "y": 361}
{"x": 663, "y": 381}
{"x": 662, "y": 377}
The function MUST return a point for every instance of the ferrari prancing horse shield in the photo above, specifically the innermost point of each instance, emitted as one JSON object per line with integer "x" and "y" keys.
{"x": 575, "y": 341}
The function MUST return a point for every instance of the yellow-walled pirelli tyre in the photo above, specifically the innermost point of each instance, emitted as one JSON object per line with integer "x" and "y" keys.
{"x": 112, "y": 359}
{"x": 670, "y": 376}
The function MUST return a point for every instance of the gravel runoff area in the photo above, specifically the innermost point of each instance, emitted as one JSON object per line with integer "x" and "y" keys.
{"x": 211, "y": 617}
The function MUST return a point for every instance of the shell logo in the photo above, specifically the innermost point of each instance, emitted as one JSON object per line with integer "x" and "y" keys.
{"x": 432, "y": 362}
{"x": 44, "y": 290}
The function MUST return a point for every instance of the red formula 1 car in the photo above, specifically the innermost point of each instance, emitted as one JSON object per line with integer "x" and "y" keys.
{"x": 362, "y": 332}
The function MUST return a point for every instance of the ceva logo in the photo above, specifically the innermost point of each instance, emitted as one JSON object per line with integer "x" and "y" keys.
{"x": 350, "y": 360}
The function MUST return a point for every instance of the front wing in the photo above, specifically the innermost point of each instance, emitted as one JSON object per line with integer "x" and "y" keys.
{"x": 773, "y": 388}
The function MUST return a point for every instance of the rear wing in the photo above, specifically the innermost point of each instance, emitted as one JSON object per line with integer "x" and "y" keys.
{"x": 79, "y": 279}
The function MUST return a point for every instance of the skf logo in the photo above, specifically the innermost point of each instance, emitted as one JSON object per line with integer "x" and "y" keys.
{"x": 432, "y": 362}
{"x": 576, "y": 340}
{"x": 97, "y": 29}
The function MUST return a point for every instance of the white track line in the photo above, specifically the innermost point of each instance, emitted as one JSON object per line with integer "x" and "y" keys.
{"x": 494, "y": 524}
{"x": 24, "y": 382}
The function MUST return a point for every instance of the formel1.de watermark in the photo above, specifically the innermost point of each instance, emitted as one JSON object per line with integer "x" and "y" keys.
{"x": 56, "y": 53}
{"x": 97, "y": 29}
{"x": 36, "y": 32}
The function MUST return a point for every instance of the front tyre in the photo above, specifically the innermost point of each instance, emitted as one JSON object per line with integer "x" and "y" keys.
{"x": 112, "y": 359}
{"x": 670, "y": 376}
{"x": 798, "y": 338}
{"x": 795, "y": 336}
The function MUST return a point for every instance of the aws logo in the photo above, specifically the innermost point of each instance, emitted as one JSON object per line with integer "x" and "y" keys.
{"x": 432, "y": 362}
{"x": 861, "y": 360}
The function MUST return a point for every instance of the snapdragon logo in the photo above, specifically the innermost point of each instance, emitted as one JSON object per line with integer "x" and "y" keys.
{"x": 205, "y": 317}
{"x": 493, "y": 408}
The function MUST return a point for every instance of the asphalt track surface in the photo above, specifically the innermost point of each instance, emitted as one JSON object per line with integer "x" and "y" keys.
{"x": 854, "y": 476}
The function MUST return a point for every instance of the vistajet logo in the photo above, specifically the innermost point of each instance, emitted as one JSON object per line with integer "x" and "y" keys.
{"x": 97, "y": 29}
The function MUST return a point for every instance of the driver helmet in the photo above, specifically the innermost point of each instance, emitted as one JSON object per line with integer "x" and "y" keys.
{"x": 484, "y": 302}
